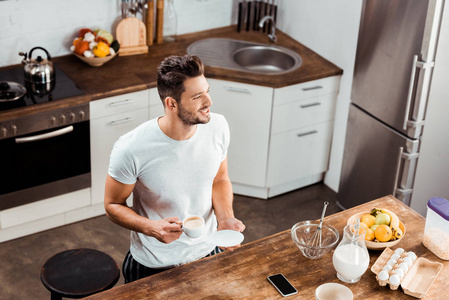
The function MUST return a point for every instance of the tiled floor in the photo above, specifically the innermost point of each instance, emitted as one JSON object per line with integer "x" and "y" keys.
{"x": 21, "y": 259}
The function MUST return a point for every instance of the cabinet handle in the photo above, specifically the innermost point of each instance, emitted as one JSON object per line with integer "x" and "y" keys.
{"x": 310, "y": 105}
{"x": 122, "y": 102}
{"x": 317, "y": 87}
{"x": 307, "y": 133}
{"x": 238, "y": 90}
{"x": 125, "y": 120}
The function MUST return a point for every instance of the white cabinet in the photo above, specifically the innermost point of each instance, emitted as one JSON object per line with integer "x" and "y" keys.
{"x": 109, "y": 119}
{"x": 247, "y": 109}
{"x": 280, "y": 138}
{"x": 156, "y": 106}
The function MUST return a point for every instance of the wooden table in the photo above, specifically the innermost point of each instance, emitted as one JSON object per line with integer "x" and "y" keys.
{"x": 242, "y": 274}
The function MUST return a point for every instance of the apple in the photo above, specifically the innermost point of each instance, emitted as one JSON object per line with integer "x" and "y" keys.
{"x": 382, "y": 219}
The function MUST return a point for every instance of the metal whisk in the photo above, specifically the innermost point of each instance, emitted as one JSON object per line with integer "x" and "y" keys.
{"x": 315, "y": 240}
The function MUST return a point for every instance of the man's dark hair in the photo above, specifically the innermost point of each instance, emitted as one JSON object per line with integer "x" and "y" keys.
{"x": 173, "y": 71}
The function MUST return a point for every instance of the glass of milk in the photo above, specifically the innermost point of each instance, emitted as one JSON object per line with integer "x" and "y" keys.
{"x": 351, "y": 258}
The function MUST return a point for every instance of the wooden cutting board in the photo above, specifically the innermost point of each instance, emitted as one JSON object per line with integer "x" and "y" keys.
{"x": 132, "y": 37}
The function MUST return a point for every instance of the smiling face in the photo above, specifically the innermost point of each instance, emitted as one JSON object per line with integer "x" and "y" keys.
{"x": 193, "y": 107}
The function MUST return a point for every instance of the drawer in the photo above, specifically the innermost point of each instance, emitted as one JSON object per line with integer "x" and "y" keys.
{"x": 299, "y": 153}
{"x": 118, "y": 104}
{"x": 303, "y": 113}
{"x": 154, "y": 97}
{"x": 306, "y": 90}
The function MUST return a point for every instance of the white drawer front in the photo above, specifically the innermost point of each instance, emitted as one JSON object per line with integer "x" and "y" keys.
{"x": 306, "y": 90}
{"x": 118, "y": 104}
{"x": 299, "y": 153}
{"x": 154, "y": 97}
{"x": 303, "y": 113}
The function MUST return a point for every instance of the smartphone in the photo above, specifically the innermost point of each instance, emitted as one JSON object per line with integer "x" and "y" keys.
{"x": 282, "y": 285}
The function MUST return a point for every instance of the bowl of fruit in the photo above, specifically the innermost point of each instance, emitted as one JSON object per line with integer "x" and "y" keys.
{"x": 94, "y": 47}
{"x": 382, "y": 226}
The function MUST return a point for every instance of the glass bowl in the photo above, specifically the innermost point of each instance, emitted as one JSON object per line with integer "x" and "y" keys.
{"x": 304, "y": 232}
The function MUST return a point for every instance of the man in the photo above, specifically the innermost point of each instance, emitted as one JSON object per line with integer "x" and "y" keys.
{"x": 175, "y": 165}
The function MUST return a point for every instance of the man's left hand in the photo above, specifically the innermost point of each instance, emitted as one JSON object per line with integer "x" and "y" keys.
{"x": 231, "y": 224}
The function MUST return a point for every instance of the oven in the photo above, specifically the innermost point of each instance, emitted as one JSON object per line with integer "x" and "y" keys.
{"x": 44, "y": 154}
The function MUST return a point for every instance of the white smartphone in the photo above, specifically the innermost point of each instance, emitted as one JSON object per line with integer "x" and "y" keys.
{"x": 282, "y": 285}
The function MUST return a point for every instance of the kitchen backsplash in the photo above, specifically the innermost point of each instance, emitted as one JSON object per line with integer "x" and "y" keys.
{"x": 52, "y": 24}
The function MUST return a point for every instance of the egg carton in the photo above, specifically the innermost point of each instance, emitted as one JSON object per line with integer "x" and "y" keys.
{"x": 398, "y": 267}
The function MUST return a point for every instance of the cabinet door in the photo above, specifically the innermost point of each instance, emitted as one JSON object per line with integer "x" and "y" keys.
{"x": 247, "y": 109}
{"x": 103, "y": 134}
{"x": 299, "y": 153}
{"x": 156, "y": 106}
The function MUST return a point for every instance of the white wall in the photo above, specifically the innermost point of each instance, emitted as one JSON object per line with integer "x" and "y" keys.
{"x": 329, "y": 28}
{"x": 52, "y": 24}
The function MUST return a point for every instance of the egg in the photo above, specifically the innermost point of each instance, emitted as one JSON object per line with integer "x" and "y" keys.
{"x": 394, "y": 279}
{"x": 408, "y": 261}
{"x": 399, "y": 251}
{"x": 391, "y": 262}
{"x": 400, "y": 273}
{"x": 404, "y": 267}
{"x": 395, "y": 256}
{"x": 383, "y": 275}
{"x": 412, "y": 255}
{"x": 387, "y": 268}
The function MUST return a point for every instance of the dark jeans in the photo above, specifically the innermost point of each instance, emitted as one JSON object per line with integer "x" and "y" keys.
{"x": 132, "y": 270}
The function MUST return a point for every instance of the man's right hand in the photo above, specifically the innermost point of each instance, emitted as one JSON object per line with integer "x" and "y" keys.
{"x": 167, "y": 230}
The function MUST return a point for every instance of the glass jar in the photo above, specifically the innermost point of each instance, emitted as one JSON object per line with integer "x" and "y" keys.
{"x": 170, "y": 22}
{"x": 351, "y": 258}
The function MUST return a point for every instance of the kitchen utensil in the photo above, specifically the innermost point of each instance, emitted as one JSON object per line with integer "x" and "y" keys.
{"x": 11, "y": 91}
{"x": 38, "y": 70}
{"x": 316, "y": 239}
{"x": 302, "y": 232}
{"x": 170, "y": 22}
{"x": 160, "y": 21}
{"x": 149, "y": 20}
{"x": 131, "y": 35}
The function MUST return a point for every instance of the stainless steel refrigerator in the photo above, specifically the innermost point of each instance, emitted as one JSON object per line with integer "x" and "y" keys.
{"x": 392, "y": 74}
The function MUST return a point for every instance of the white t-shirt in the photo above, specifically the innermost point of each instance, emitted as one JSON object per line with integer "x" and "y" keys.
{"x": 172, "y": 179}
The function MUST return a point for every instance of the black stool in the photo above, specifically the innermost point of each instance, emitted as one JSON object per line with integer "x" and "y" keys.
{"x": 79, "y": 273}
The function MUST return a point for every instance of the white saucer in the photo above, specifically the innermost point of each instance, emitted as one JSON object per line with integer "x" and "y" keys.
{"x": 226, "y": 238}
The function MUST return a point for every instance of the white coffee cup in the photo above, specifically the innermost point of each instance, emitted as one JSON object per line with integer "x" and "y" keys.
{"x": 193, "y": 226}
{"x": 333, "y": 291}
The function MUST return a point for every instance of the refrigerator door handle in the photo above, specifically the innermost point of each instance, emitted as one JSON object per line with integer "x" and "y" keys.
{"x": 416, "y": 64}
{"x": 410, "y": 92}
{"x": 398, "y": 168}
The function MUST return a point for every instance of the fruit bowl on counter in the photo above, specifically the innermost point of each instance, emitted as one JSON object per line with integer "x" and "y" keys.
{"x": 94, "y": 47}
{"x": 385, "y": 240}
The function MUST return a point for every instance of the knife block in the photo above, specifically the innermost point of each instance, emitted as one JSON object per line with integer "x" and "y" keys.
{"x": 132, "y": 37}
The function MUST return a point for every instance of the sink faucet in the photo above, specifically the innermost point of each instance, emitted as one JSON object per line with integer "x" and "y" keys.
{"x": 271, "y": 36}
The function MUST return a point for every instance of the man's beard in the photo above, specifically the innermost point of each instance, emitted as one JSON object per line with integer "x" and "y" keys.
{"x": 189, "y": 118}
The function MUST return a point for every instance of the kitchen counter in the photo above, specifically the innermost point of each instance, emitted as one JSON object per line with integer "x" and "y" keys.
{"x": 242, "y": 274}
{"x": 125, "y": 74}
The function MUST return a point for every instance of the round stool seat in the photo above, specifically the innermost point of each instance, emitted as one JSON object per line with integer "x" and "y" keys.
{"x": 79, "y": 273}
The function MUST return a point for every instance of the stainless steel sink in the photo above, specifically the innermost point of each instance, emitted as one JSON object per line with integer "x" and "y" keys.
{"x": 245, "y": 56}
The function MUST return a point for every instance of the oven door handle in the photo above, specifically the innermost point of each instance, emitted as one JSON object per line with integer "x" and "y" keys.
{"x": 44, "y": 136}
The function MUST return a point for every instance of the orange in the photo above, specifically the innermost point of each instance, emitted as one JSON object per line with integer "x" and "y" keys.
{"x": 368, "y": 219}
{"x": 383, "y": 233}
{"x": 369, "y": 236}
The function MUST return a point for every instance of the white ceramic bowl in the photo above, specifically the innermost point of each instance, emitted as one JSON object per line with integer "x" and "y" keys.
{"x": 95, "y": 61}
{"x": 334, "y": 291}
{"x": 377, "y": 245}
